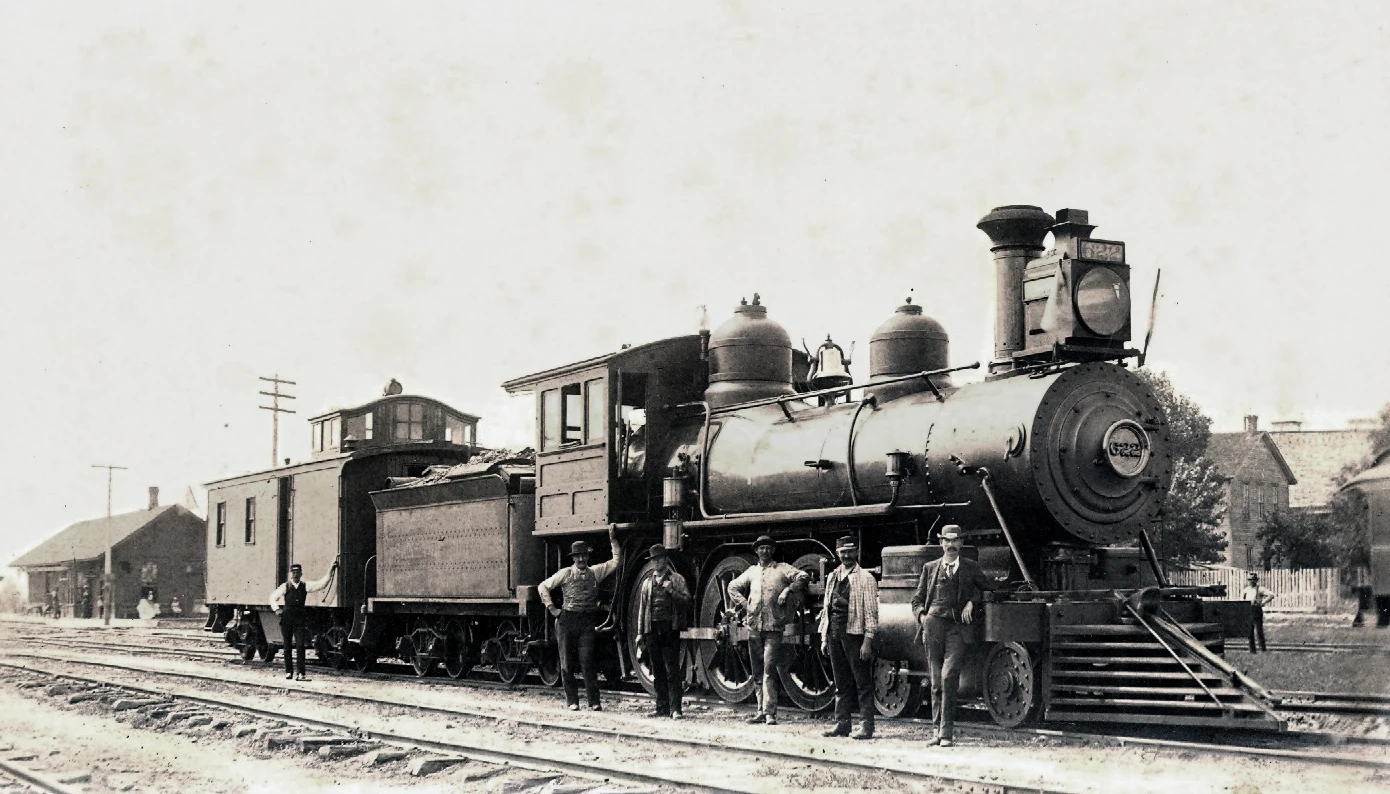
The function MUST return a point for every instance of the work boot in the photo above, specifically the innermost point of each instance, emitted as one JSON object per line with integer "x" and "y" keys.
{"x": 771, "y": 720}
{"x": 841, "y": 729}
{"x": 658, "y": 713}
{"x": 289, "y": 676}
{"x": 865, "y": 732}
{"x": 757, "y": 719}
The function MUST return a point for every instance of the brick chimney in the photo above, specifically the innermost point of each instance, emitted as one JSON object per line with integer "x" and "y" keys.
{"x": 154, "y": 497}
{"x": 1252, "y": 423}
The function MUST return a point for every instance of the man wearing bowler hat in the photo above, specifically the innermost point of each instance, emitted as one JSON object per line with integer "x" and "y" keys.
{"x": 580, "y": 615}
{"x": 288, "y": 600}
{"x": 848, "y": 622}
{"x": 662, "y": 604}
{"x": 947, "y": 604}
{"x": 762, "y": 591}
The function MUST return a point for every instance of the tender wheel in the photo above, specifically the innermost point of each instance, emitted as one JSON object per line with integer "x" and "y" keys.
{"x": 364, "y": 658}
{"x": 424, "y": 651}
{"x": 332, "y": 647}
{"x": 805, "y": 673}
{"x": 896, "y": 693}
{"x": 636, "y": 643}
{"x": 458, "y": 650}
{"x": 726, "y": 662}
{"x": 512, "y": 666}
{"x": 1010, "y": 684}
{"x": 549, "y": 667}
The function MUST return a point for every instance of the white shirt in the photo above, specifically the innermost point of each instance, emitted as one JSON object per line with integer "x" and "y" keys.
{"x": 1256, "y": 595}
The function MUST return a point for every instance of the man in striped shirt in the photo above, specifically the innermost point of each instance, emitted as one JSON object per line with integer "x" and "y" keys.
{"x": 848, "y": 622}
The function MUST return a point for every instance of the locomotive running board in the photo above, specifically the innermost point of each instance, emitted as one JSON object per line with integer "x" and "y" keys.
{"x": 1152, "y": 671}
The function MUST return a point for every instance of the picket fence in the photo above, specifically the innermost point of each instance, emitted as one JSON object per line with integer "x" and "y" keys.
{"x": 1307, "y": 590}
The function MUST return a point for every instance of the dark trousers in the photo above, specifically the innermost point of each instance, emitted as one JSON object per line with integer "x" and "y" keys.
{"x": 1257, "y": 627}
{"x": 945, "y": 656}
{"x": 764, "y": 647}
{"x": 854, "y": 681}
{"x": 294, "y": 630}
{"x": 577, "y": 638}
{"x": 664, "y": 653}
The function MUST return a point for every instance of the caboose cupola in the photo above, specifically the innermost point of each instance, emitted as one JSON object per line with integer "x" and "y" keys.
{"x": 750, "y": 358}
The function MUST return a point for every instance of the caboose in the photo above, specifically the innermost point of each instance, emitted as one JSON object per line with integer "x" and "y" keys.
{"x": 319, "y": 511}
{"x": 1056, "y": 463}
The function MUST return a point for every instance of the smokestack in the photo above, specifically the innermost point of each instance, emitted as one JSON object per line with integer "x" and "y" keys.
{"x": 1252, "y": 423}
{"x": 1017, "y": 231}
{"x": 154, "y": 497}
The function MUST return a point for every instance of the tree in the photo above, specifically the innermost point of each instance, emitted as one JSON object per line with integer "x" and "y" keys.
{"x": 1189, "y": 523}
{"x": 1297, "y": 539}
{"x": 1188, "y": 526}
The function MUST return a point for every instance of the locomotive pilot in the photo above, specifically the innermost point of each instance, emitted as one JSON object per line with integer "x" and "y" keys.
{"x": 661, "y": 614}
{"x": 949, "y": 597}
{"x": 762, "y": 591}
{"x": 579, "y": 616}
{"x": 848, "y": 622}
{"x": 288, "y": 600}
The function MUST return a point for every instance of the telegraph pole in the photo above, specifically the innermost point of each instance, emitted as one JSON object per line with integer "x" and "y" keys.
{"x": 108, "y": 606}
{"x": 275, "y": 410}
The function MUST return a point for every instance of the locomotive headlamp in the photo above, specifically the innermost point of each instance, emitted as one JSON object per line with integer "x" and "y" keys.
{"x": 1102, "y": 300}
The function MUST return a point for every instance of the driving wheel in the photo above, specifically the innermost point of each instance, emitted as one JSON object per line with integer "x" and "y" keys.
{"x": 805, "y": 671}
{"x": 725, "y": 658}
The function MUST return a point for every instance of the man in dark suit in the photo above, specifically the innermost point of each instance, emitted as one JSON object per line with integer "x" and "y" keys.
{"x": 949, "y": 599}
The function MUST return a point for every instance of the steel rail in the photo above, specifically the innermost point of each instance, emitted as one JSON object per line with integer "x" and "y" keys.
{"x": 948, "y": 781}
{"x": 36, "y": 779}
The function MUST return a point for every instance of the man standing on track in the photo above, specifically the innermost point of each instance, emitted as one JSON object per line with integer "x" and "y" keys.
{"x": 950, "y": 593}
{"x": 288, "y": 601}
{"x": 580, "y": 615}
{"x": 848, "y": 622}
{"x": 762, "y": 591}
{"x": 1258, "y": 596}
{"x": 662, "y": 604}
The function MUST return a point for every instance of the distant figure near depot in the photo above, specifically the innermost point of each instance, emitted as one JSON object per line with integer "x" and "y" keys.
{"x": 1258, "y": 596}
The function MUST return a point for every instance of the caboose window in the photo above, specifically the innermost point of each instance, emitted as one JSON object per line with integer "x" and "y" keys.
{"x": 410, "y": 422}
{"x": 251, "y": 519}
{"x": 221, "y": 524}
{"x": 368, "y": 434}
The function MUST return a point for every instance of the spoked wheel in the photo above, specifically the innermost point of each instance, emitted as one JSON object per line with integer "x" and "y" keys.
{"x": 512, "y": 665}
{"x": 806, "y": 674}
{"x": 896, "y": 692}
{"x": 549, "y": 666}
{"x": 424, "y": 650}
{"x": 458, "y": 650}
{"x": 332, "y": 647}
{"x": 1010, "y": 684}
{"x": 636, "y": 642}
{"x": 725, "y": 658}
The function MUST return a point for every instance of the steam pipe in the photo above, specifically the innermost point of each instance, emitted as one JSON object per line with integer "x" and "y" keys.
{"x": 1153, "y": 557}
{"x": 986, "y": 482}
{"x": 871, "y": 402}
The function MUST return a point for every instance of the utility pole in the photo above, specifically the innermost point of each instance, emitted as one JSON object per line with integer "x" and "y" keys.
{"x": 108, "y": 605}
{"x": 275, "y": 410}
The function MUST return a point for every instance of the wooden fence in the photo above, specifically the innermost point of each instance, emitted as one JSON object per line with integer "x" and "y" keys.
{"x": 1308, "y": 590}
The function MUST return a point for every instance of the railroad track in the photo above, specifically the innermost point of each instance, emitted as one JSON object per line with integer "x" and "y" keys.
{"x": 1252, "y": 746}
{"x": 1334, "y": 702}
{"x": 1323, "y": 647}
{"x": 33, "y": 780}
{"x": 717, "y": 766}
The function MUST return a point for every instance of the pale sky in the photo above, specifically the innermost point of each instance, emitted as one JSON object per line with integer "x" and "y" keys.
{"x": 456, "y": 193}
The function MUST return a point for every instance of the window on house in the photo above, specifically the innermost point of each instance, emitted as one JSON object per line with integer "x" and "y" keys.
{"x": 1260, "y": 497}
{"x": 251, "y": 519}
{"x": 221, "y": 535}
{"x": 410, "y": 422}
{"x": 1245, "y": 500}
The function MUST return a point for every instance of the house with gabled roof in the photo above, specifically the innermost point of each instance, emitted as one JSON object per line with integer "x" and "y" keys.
{"x": 1258, "y": 480}
{"x": 159, "y": 551}
{"x": 1318, "y": 458}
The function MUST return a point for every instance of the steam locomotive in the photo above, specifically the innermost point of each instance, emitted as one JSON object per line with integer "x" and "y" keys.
{"x": 1056, "y": 464}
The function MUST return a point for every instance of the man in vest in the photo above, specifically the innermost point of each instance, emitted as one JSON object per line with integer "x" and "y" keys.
{"x": 848, "y": 622}
{"x": 762, "y": 592}
{"x": 579, "y": 616}
{"x": 662, "y": 603}
{"x": 289, "y": 601}
{"x": 949, "y": 598}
